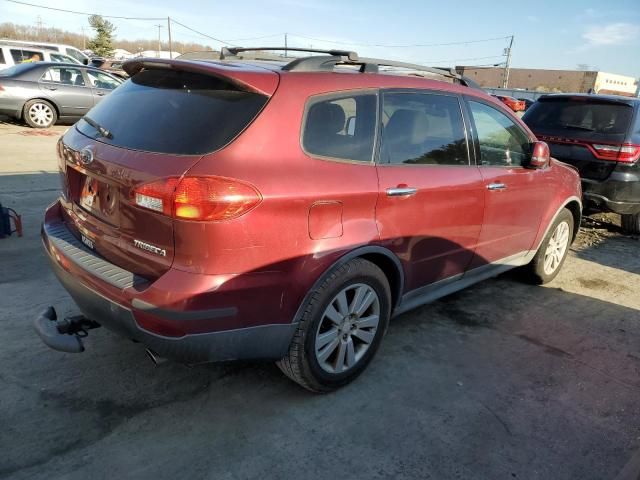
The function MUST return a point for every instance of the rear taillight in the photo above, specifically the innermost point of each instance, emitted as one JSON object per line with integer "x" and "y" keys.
{"x": 626, "y": 153}
{"x": 198, "y": 198}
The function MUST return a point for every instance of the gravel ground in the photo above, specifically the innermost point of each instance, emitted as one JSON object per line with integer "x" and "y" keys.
{"x": 503, "y": 380}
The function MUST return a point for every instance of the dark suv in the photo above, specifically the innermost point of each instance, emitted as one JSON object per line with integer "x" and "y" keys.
{"x": 224, "y": 210}
{"x": 600, "y": 135}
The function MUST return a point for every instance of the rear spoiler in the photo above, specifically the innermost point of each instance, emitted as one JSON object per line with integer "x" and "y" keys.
{"x": 244, "y": 77}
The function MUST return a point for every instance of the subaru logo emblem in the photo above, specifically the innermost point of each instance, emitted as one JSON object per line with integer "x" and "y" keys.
{"x": 86, "y": 156}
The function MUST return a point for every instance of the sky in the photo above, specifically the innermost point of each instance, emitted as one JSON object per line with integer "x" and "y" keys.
{"x": 555, "y": 34}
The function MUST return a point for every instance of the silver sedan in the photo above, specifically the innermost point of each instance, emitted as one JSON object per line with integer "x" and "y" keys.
{"x": 42, "y": 93}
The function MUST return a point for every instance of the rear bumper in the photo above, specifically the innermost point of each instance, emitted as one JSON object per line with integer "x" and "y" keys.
{"x": 620, "y": 193}
{"x": 72, "y": 263}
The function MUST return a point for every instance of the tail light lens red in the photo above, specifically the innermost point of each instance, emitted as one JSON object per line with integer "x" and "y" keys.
{"x": 626, "y": 153}
{"x": 198, "y": 198}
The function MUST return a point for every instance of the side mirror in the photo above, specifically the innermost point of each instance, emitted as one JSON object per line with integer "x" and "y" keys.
{"x": 85, "y": 61}
{"x": 540, "y": 155}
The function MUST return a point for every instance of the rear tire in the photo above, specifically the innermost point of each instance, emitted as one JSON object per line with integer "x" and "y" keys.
{"x": 631, "y": 223}
{"x": 552, "y": 252}
{"x": 39, "y": 114}
{"x": 341, "y": 328}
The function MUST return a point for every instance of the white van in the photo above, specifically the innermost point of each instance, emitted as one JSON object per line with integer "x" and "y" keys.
{"x": 11, "y": 55}
{"x": 56, "y": 47}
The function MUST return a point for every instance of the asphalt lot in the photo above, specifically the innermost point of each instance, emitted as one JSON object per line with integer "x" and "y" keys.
{"x": 503, "y": 380}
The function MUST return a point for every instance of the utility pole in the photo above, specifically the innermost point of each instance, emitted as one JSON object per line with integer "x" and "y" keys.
{"x": 159, "y": 44}
{"x": 169, "y": 32}
{"x": 507, "y": 65}
{"x": 84, "y": 39}
{"x": 39, "y": 25}
{"x": 285, "y": 45}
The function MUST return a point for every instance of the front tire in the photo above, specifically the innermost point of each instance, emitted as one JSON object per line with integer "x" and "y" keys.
{"x": 343, "y": 323}
{"x": 39, "y": 114}
{"x": 553, "y": 250}
{"x": 631, "y": 223}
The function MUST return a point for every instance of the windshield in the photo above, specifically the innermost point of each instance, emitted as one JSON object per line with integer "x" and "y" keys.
{"x": 76, "y": 54}
{"x": 60, "y": 57}
{"x": 567, "y": 114}
{"x": 175, "y": 112}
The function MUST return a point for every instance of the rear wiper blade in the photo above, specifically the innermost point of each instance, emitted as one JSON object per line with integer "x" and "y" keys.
{"x": 101, "y": 130}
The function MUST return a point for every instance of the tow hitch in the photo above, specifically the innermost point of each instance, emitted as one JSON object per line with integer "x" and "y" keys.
{"x": 64, "y": 334}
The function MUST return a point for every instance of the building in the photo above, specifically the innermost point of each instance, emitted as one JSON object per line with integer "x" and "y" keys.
{"x": 539, "y": 80}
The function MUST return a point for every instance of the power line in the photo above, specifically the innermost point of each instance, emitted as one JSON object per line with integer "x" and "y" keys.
{"x": 256, "y": 38}
{"x": 401, "y": 46}
{"x": 82, "y": 13}
{"x": 225, "y": 42}
{"x": 448, "y": 60}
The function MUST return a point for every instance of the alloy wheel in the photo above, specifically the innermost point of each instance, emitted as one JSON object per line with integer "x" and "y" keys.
{"x": 556, "y": 248}
{"x": 347, "y": 328}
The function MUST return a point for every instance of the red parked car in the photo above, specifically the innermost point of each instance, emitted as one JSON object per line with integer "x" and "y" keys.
{"x": 513, "y": 103}
{"x": 224, "y": 210}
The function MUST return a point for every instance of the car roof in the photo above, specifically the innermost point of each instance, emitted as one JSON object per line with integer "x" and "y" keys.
{"x": 592, "y": 96}
{"x": 406, "y": 78}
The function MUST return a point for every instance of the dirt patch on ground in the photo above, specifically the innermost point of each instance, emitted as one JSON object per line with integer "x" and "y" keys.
{"x": 597, "y": 228}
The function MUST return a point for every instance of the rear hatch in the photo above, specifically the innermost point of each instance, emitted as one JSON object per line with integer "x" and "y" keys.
{"x": 149, "y": 132}
{"x": 588, "y": 132}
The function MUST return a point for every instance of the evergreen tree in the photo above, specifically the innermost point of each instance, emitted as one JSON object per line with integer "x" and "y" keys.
{"x": 102, "y": 43}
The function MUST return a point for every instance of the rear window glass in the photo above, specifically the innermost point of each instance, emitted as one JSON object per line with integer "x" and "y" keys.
{"x": 587, "y": 116}
{"x": 2, "y": 57}
{"x": 168, "y": 111}
{"x": 341, "y": 127}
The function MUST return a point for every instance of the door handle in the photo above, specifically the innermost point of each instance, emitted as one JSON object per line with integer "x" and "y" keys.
{"x": 496, "y": 186}
{"x": 401, "y": 191}
{"x": 51, "y": 88}
{"x": 101, "y": 94}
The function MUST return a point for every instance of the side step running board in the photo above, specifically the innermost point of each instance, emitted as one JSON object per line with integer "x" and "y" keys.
{"x": 64, "y": 335}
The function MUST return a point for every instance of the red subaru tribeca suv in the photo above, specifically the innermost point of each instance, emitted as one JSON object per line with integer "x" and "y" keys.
{"x": 235, "y": 209}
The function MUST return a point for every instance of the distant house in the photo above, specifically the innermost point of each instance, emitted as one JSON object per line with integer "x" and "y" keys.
{"x": 122, "y": 54}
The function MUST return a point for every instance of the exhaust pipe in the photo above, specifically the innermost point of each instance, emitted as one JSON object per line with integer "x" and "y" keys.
{"x": 155, "y": 358}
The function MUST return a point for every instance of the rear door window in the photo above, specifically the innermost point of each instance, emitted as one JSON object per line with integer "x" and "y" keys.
{"x": 423, "y": 129}
{"x": 169, "y": 111}
{"x": 341, "y": 126}
{"x": 64, "y": 75}
{"x": 579, "y": 115}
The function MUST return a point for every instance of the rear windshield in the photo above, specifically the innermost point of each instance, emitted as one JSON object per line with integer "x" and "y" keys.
{"x": 568, "y": 114}
{"x": 169, "y": 111}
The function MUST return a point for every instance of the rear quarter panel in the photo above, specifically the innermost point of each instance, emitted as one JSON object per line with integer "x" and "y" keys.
{"x": 566, "y": 189}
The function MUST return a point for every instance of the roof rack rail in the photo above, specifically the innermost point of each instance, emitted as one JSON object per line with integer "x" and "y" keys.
{"x": 345, "y": 57}
{"x": 449, "y": 73}
{"x": 233, "y": 51}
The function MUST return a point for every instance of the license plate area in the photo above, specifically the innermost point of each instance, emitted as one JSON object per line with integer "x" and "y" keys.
{"x": 94, "y": 196}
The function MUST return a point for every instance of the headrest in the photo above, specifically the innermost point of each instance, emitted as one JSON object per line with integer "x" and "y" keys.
{"x": 410, "y": 126}
{"x": 329, "y": 118}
